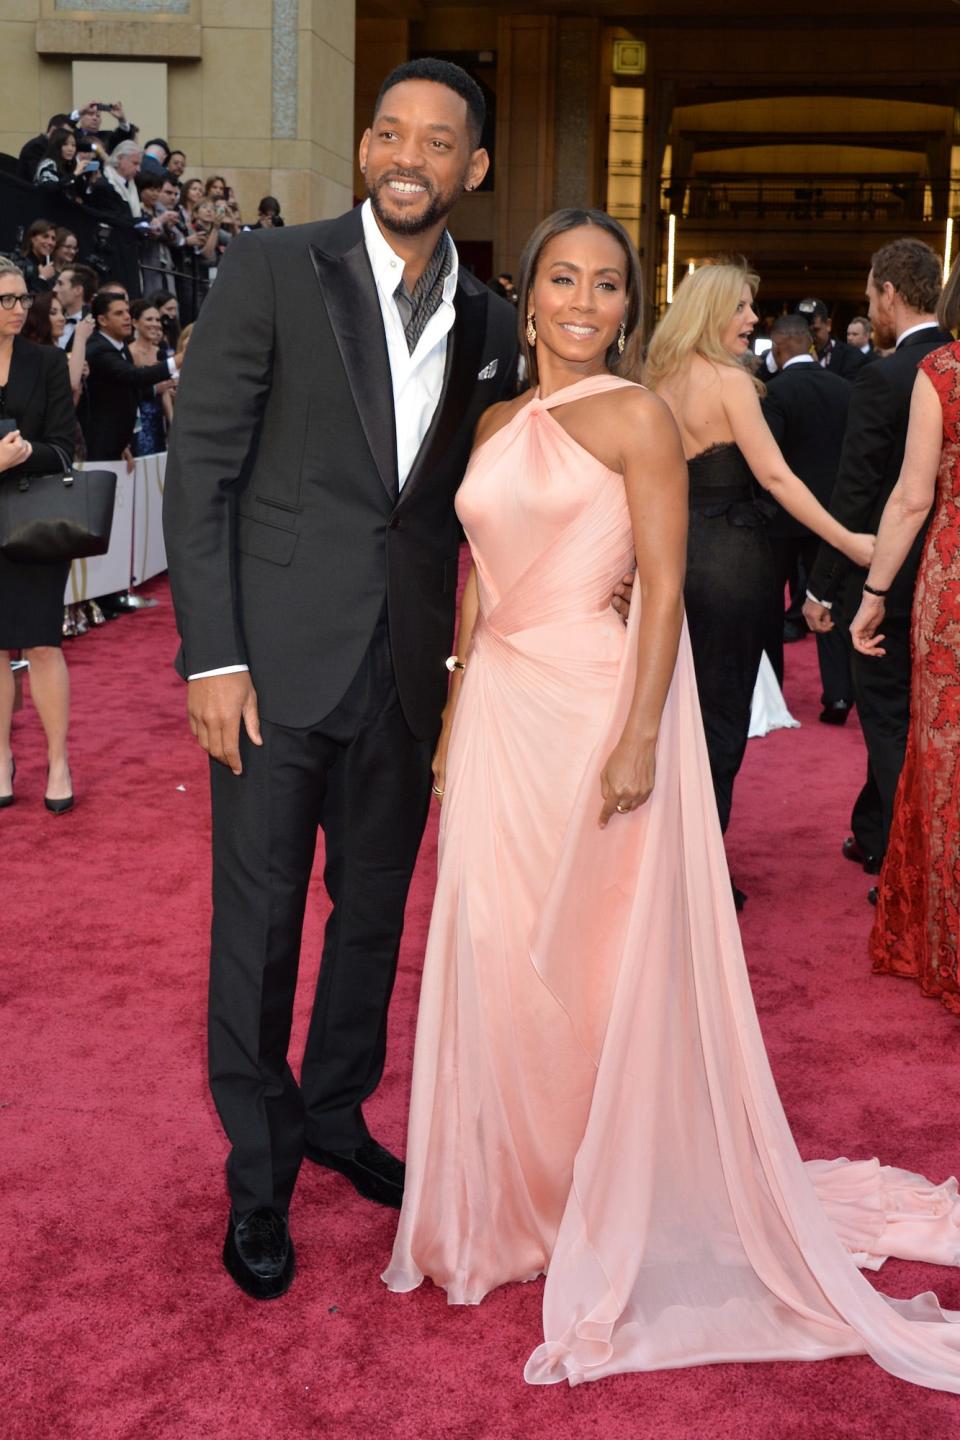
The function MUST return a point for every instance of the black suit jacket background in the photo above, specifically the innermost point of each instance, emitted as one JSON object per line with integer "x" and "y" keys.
{"x": 870, "y": 467}
{"x": 114, "y": 388}
{"x": 286, "y": 532}
{"x": 806, "y": 409}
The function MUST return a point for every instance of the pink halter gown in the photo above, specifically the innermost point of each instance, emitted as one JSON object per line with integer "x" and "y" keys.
{"x": 591, "y": 1094}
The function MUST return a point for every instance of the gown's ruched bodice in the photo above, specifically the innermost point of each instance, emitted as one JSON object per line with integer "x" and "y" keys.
{"x": 591, "y": 1095}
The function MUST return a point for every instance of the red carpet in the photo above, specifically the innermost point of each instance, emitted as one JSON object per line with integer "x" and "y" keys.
{"x": 118, "y": 1320}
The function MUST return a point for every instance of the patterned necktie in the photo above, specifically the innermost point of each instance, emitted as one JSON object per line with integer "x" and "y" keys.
{"x": 417, "y": 309}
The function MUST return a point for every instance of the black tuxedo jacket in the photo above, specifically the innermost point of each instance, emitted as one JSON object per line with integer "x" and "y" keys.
{"x": 114, "y": 388}
{"x": 806, "y": 408}
{"x": 845, "y": 360}
{"x": 870, "y": 467}
{"x": 286, "y": 532}
{"x": 39, "y": 398}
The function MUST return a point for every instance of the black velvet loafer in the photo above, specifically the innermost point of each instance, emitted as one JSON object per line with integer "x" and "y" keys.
{"x": 258, "y": 1254}
{"x": 372, "y": 1171}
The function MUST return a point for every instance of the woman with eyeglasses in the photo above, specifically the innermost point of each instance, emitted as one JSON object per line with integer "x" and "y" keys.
{"x": 36, "y": 438}
{"x": 66, "y": 249}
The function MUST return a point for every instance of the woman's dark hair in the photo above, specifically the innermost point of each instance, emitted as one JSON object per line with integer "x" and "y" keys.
{"x": 442, "y": 72}
{"x": 137, "y": 307}
{"x": 147, "y": 180}
{"x": 39, "y": 227}
{"x": 37, "y": 326}
{"x": 269, "y": 205}
{"x": 170, "y": 323}
{"x": 629, "y": 363}
{"x": 213, "y": 179}
{"x": 54, "y": 150}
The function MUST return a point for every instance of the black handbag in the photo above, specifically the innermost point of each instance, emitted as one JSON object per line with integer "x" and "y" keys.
{"x": 49, "y": 518}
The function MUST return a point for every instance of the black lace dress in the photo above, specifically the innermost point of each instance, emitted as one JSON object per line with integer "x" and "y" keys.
{"x": 730, "y": 593}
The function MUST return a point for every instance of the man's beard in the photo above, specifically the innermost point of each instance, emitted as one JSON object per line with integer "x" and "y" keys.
{"x": 439, "y": 207}
{"x": 884, "y": 333}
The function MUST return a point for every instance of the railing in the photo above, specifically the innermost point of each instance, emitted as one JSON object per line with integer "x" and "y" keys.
{"x": 873, "y": 198}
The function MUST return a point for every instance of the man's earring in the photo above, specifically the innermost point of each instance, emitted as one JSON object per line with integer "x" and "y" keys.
{"x": 622, "y": 337}
{"x": 531, "y": 331}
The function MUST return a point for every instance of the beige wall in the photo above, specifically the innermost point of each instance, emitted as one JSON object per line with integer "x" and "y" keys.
{"x": 260, "y": 91}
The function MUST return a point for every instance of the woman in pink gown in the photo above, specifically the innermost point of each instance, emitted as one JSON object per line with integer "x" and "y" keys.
{"x": 591, "y": 1094}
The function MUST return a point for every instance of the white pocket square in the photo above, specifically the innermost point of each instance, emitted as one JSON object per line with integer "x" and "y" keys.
{"x": 488, "y": 371}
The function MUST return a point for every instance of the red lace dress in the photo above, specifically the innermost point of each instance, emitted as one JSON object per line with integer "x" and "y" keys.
{"x": 917, "y": 928}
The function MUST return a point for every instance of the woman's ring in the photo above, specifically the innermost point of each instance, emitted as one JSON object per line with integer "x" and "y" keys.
{"x": 621, "y": 808}
{"x": 438, "y": 792}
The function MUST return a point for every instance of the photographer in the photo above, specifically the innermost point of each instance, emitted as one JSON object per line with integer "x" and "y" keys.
{"x": 87, "y": 123}
{"x": 268, "y": 215}
{"x": 63, "y": 169}
{"x": 226, "y": 210}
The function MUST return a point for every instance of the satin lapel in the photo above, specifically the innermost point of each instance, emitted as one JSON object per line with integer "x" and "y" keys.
{"x": 464, "y": 359}
{"x": 350, "y": 295}
{"x": 24, "y": 372}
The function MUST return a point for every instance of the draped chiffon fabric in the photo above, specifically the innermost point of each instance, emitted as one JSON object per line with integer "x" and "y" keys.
{"x": 591, "y": 1095}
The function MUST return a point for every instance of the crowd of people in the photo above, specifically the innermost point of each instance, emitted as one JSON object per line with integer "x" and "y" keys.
{"x": 184, "y": 225}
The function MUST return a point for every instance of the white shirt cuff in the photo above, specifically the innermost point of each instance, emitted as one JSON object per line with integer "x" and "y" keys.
{"x": 175, "y": 375}
{"x": 224, "y": 670}
{"x": 825, "y": 604}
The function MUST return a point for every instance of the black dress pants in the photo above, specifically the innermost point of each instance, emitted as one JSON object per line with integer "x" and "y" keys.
{"x": 882, "y": 690}
{"x": 362, "y": 776}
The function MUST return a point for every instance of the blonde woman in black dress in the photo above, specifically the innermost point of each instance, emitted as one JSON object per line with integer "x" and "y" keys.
{"x": 35, "y": 395}
{"x": 694, "y": 363}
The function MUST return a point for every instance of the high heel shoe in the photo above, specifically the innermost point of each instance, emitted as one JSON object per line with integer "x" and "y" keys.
{"x": 58, "y": 807}
{"x": 7, "y": 800}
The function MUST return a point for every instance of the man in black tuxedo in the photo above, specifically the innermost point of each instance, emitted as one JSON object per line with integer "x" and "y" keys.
{"x": 806, "y": 409}
{"x": 903, "y": 288}
{"x": 334, "y": 381}
{"x": 75, "y": 288}
{"x": 115, "y": 384}
{"x": 832, "y": 354}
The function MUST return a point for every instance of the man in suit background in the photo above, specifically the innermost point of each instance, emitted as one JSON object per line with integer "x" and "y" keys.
{"x": 75, "y": 288}
{"x": 115, "y": 384}
{"x": 832, "y": 354}
{"x": 806, "y": 409}
{"x": 903, "y": 288}
{"x": 859, "y": 333}
{"x": 334, "y": 381}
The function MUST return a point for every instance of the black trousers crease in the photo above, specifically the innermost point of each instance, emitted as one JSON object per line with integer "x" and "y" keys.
{"x": 363, "y": 778}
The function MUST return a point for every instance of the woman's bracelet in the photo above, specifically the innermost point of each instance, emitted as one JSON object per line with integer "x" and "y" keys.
{"x": 871, "y": 590}
{"x": 453, "y": 662}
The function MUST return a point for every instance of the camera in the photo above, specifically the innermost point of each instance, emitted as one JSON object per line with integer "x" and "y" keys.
{"x": 100, "y": 257}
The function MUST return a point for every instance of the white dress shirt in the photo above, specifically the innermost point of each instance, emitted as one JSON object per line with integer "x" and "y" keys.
{"x": 418, "y": 378}
{"x": 800, "y": 360}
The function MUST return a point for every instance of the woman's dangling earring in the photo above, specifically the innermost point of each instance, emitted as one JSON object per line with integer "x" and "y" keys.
{"x": 622, "y": 337}
{"x": 531, "y": 331}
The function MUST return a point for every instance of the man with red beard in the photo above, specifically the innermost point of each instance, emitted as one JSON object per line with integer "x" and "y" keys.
{"x": 903, "y": 288}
